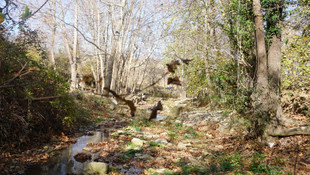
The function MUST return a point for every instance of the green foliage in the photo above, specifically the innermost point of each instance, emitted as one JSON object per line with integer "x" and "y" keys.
{"x": 274, "y": 12}
{"x": 26, "y": 13}
{"x": 231, "y": 164}
{"x": 154, "y": 144}
{"x": 212, "y": 75}
{"x": 130, "y": 154}
{"x": 172, "y": 135}
{"x": 257, "y": 165}
{"x": 196, "y": 77}
{"x": 34, "y": 100}
{"x": 191, "y": 131}
{"x": 295, "y": 61}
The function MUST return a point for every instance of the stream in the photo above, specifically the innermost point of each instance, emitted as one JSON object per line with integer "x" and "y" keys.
{"x": 64, "y": 163}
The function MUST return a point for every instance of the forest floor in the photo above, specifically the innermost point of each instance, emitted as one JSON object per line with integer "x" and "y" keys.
{"x": 168, "y": 146}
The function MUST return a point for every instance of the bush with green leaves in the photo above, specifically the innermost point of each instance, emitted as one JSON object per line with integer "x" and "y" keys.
{"x": 34, "y": 101}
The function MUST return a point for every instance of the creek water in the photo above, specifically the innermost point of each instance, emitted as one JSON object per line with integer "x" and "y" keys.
{"x": 159, "y": 117}
{"x": 64, "y": 163}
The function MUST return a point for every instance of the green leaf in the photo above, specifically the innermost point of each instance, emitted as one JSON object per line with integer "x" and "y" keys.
{"x": 2, "y": 17}
{"x": 27, "y": 13}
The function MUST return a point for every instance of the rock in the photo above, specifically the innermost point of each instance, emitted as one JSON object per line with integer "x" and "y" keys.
{"x": 161, "y": 171}
{"x": 149, "y": 135}
{"x": 161, "y": 141}
{"x": 82, "y": 157}
{"x": 181, "y": 145}
{"x": 178, "y": 121}
{"x": 189, "y": 124}
{"x": 163, "y": 134}
{"x": 114, "y": 101}
{"x": 96, "y": 168}
{"x": 169, "y": 144}
{"x": 112, "y": 107}
{"x": 159, "y": 158}
{"x": 137, "y": 141}
{"x": 137, "y": 148}
{"x": 121, "y": 132}
{"x": 209, "y": 136}
{"x": 143, "y": 156}
{"x": 219, "y": 147}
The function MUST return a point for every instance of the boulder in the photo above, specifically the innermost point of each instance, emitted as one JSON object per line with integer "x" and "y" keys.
{"x": 96, "y": 168}
{"x": 161, "y": 141}
{"x": 137, "y": 141}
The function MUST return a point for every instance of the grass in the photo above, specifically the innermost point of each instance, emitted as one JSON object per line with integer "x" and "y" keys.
{"x": 232, "y": 164}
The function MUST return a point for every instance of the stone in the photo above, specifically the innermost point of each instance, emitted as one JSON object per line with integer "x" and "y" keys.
{"x": 169, "y": 144}
{"x": 143, "y": 156}
{"x": 159, "y": 158}
{"x": 137, "y": 142}
{"x": 161, "y": 171}
{"x": 112, "y": 107}
{"x": 209, "y": 136}
{"x": 178, "y": 121}
{"x": 121, "y": 132}
{"x": 219, "y": 147}
{"x": 96, "y": 168}
{"x": 163, "y": 134}
{"x": 181, "y": 145}
{"x": 161, "y": 141}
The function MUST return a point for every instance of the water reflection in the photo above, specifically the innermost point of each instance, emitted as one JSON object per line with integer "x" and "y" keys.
{"x": 64, "y": 163}
{"x": 159, "y": 117}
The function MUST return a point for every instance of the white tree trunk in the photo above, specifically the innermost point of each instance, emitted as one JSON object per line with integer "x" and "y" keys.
{"x": 73, "y": 63}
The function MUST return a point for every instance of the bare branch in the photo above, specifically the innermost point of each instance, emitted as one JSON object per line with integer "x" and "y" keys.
{"x": 23, "y": 20}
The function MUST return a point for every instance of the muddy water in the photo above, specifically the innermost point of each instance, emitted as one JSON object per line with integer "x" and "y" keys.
{"x": 64, "y": 163}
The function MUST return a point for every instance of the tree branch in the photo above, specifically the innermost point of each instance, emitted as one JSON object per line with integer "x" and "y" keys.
{"x": 23, "y": 20}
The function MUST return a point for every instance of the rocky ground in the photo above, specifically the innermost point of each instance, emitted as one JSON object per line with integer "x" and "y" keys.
{"x": 195, "y": 141}
{"x": 186, "y": 140}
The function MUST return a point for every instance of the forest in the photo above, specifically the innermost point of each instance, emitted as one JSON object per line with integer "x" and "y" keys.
{"x": 172, "y": 87}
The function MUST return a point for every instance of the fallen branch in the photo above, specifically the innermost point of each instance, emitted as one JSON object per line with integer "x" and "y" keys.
{"x": 53, "y": 97}
{"x": 17, "y": 75}
{"x": 283, "y": 132}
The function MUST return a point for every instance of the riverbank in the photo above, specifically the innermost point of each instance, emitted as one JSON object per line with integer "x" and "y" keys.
{"x": 184, "y": 139}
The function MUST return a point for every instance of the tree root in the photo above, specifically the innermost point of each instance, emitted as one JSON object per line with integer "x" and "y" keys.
{"x": 285, "y": 132}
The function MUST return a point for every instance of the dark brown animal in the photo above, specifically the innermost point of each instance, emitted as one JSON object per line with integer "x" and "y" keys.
{"x": 172, "y": 66}
{"x": 159, "y": 106}
{"x": 128, "y": 102}
{"x": 174, "y": 80}
{"x": 186, "y": 61}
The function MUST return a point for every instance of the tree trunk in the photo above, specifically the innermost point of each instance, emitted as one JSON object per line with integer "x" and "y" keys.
{"x": 75, "y": 44}
{"x": 274, "y": 71}
{"x": 53, "y": 35}
{"x": 261, "y": 95}
{"x": 262, "y": 74}
{"x": 113, "y": 61}
{"x": 98, "y": 83}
